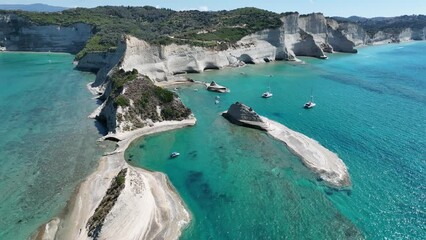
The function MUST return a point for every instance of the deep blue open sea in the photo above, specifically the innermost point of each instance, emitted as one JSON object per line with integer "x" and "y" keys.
{"x": 240, "y": 184}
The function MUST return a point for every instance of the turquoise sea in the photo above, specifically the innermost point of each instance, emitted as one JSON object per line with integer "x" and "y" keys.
{"x": 47, "y": 143}
{"x": 240, "y": 184}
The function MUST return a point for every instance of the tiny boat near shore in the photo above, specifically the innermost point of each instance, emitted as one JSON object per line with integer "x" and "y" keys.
{"x": 174, "y": 154}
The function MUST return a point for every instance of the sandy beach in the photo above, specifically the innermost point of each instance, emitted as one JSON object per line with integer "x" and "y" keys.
{"x": 147, "y": 208}
{"x": 319, "y": 159}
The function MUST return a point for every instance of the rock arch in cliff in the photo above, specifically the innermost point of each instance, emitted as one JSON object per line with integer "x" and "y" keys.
{"x": 247, "y": 59}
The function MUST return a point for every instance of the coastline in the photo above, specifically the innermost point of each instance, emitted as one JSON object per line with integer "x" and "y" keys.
{"x": 35, "y": 52}
{"x": 384, "y": 43}
{"x": 51, "y": 225}
{"x": 54, "y": 226}
{"x": 326, "y": 164}
{"x": 148, "y": 200}
{"x": 49, "y": 230}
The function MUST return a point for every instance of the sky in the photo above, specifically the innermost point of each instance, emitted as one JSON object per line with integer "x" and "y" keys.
{"x": 344, "y": 8}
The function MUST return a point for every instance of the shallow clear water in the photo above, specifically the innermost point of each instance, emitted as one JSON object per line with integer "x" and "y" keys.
{"x": 241, "y": 184}
{"x": 47, "y": 143}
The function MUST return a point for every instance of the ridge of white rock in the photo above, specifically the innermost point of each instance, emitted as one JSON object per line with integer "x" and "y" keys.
{"x": 323, "y": 162}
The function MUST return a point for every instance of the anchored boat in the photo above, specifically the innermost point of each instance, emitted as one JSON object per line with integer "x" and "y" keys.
{"x": 174, "y": 154}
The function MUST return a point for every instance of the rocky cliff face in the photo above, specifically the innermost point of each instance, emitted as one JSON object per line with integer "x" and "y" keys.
{"x": 299, "y": 35}
{"x": 419, "y": 35}
{"x": 403, "y": 35}
{"x": 102, "y": 63}
{"x": 310, "y": 35}
{"x": 365, "y": 31}
{"x": 17, "y": 34}
{"x": 316, "y": 26}
{"x": 161, "y": 63}
{"x": 243, "y": 115}
{"x": 352, "y": 32}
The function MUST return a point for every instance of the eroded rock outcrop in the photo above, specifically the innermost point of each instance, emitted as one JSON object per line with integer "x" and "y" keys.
{"x": 336, "y": 38}
{"x": 243, "y": 115}
{"x": 353, "y": 32}
{"x": 316, "y": 25}
{"x": 297, "y": 41}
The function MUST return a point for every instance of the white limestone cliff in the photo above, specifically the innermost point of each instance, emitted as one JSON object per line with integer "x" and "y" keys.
{"x": 161, "y": 63}
{"x": 405, "y": 35}
{"x": 296, "y": 40}
{"x": 308, "y": 35}
{"x": 298, "y": 36}
{"x": 353, "y": 32}
{"x": 337, "y": 39}
{"x": 17, "y": 34}
{"x": 316, "y": 25}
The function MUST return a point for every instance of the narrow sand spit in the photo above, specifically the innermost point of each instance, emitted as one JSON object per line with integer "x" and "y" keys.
{"x": 147, "y": 208}
{"x": 319, "y": 159}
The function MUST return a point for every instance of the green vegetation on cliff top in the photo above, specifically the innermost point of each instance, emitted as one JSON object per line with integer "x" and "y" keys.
{"x": 121, "y": 77}
{"x": 160, "y": 26}
{"x": 146, "y": 97}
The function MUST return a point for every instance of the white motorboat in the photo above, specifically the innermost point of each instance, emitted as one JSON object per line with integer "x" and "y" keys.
{"x": 267, "y": 94}
{"x": 310, "y": 104}
{"x": 174, "y": 154}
